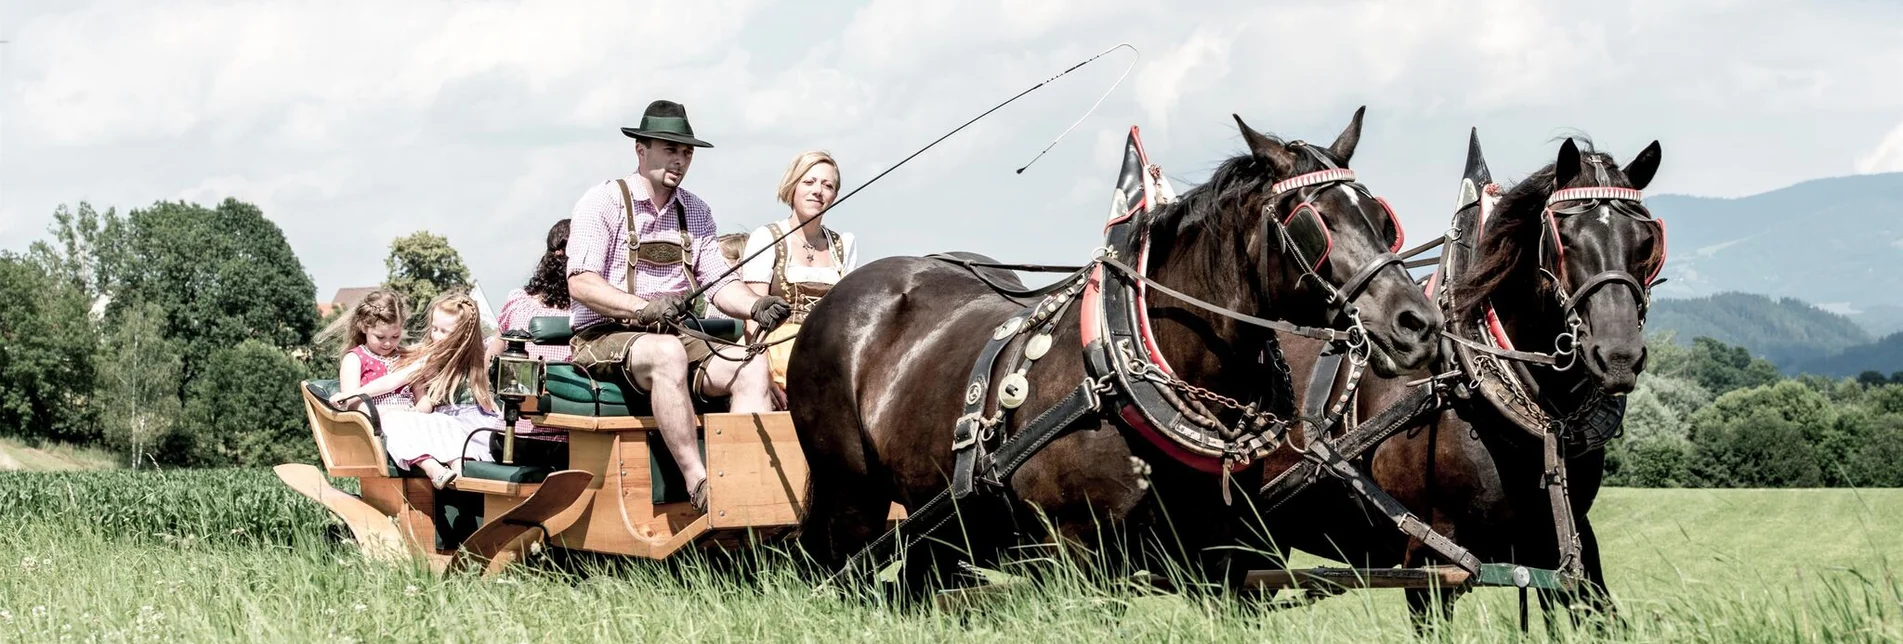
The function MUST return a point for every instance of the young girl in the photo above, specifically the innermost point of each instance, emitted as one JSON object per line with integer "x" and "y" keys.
{"x": 449, "y": 379}
{"x": 372, "y": 330}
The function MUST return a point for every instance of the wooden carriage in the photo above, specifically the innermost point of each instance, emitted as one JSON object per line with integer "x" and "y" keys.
{"x": 613, "y": 489}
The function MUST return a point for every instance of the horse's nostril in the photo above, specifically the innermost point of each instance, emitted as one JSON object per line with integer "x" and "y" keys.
{"x": 1598, "y": 354}
{"x": 1411, "y": 322}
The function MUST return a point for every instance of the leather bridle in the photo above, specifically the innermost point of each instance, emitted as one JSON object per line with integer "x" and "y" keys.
{"x": 1306, "y": 238}
{"x": 1626, "y": 202}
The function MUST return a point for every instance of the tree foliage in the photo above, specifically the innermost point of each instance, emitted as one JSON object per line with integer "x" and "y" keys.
{"x": 243, "y": 411}
{"x": 138, "y": 386}
{"x": 47, "y": 340}
{"x": 421, "y": 267}
{"x": 223, "y": 275}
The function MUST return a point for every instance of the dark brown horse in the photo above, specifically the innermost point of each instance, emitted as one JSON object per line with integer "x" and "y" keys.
{"x": 878, "y": 378}
{"x": 1470, "y": 471}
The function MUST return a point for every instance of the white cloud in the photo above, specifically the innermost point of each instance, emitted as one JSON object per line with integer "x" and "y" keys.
{"x": 1199, "y": 63}
{"x": 1887, "y": 156}
{"x": 353, "y": 122}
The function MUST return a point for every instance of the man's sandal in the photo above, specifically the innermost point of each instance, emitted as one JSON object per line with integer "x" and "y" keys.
{"x": 699, "y": 499}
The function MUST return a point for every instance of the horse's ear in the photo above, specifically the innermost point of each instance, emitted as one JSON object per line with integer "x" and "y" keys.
{"x": 1344, "y": 146}
{"x": 1566, "y": 168}
{"x": 1267, "y": 148}
{"x": 1642, "y": 168}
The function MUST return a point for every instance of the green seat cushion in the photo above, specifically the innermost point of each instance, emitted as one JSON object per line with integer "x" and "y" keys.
{"x": 550, "y": 329}
{"x": 572, "y": 391}
{"x": 511, "y": 473}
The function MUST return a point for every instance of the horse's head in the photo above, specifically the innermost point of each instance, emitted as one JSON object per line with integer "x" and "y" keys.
{"x": 1325, "y": 245}
{"x": 1602, "y": 250}
{"x": 1579, "y": 229}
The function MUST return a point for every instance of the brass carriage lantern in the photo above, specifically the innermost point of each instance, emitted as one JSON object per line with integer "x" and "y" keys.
{"x": 518, "y": 377}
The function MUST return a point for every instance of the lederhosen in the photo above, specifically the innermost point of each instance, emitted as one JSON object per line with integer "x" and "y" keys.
{"x": 800, "y": 296}
{"x": 603, "y": 348}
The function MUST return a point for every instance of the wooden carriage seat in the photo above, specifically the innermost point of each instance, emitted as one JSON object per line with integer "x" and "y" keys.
{"x": 570, "y": 390}
{"x": 351, "y": 443}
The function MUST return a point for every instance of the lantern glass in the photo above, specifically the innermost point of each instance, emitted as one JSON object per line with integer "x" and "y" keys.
{"x": 518, "y": 376}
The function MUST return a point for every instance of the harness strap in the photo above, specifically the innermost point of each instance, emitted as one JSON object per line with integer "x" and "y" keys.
{"x": 1522, "y": 356}
{"x": 1076, "y": 273}
{"x": 1348, "y": 446}
{"x": 1304, "y": 331}
{"x": 935, "y": 513}
{"x": 1411, "y": 252}
{"x": 1321, "y": 382}
{"x": 1341, "y": 467}
{"x": 1594, "y": 283}
{"x": 1565, "y": 531}
{"x": 967, "y": 440}
{"x": 1352, "y": 288}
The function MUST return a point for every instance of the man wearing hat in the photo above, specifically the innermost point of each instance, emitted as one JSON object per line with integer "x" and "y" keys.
{"x": 637, "y": 245}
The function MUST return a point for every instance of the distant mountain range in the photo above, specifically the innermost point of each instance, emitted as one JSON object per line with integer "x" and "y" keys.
{"x": 1793, "y": 334}
{"x": 1785, "y": 331}
{"x": 1834, "y": 242}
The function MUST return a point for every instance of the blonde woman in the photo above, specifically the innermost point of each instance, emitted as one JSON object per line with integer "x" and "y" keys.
{"x": 805, "y": 265}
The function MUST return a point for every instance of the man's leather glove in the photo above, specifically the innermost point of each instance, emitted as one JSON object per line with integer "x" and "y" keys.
{"x": 770, "y": 311}
{"x": 659, "y": 309}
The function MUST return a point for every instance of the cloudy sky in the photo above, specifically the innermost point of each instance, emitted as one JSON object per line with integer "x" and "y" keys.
{"x": 352, "y": 123}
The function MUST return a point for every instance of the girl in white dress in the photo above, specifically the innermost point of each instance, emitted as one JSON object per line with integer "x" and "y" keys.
{"x": 805, "y": 265}
{"x": 448, "y": 376}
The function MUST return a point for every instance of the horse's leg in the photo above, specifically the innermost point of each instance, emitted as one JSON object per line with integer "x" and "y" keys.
{"x": 1085, "y": 484}
{"x": 1597, "y": 597}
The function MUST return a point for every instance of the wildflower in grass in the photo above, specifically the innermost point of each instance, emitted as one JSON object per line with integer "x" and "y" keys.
{"x": 359, "y": 608}
{"x": 6, "y": 616}
{"x": 39, "y": 611}
{"x": 412, "y": 591}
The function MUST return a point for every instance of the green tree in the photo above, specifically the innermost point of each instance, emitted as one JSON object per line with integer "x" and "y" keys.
{"x": 86, "y": 249}
{"x": 223, "y": 275}
{"x": 47, "y": 342}
{"x": 1872, "y": 378}
{"x": 1772, "y": 436}
{"x": 423, "y": 266}
{"x": 242, "y": 411}
{"x": 1760, "y": 449}
{"x": 1877, "y": 460}
{"x": 1721, "y": 368}
{"x": 138, "y": 372}
{"x": 1656, "y": 448}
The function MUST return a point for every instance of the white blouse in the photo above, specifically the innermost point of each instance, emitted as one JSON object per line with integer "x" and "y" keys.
{"x": 760, "y": 270}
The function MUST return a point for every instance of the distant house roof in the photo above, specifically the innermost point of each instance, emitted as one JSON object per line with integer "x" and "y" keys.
{"x": 345, "y": 298}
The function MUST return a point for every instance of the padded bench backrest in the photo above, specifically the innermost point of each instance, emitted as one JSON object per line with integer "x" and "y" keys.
{"x": 346, "y": 440}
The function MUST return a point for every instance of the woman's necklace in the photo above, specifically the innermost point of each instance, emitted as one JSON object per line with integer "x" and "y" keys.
{"x": 808, "y": 247}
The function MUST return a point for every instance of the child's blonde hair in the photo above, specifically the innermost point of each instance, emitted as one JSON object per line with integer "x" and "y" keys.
{"x": 381, "y": 306}
{"x": 455, "y": 361}
{"x": 732, "y": 246}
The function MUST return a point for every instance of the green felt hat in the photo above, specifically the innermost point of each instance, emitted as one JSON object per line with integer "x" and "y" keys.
{"x": 666, "y": 121}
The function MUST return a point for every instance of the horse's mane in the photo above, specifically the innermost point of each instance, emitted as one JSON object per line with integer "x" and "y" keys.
{"x": 1236, "y": 185}
{"x": 1510, "y": 246}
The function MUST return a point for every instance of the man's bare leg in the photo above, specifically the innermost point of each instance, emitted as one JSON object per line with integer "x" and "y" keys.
{"x": 658, "y": 364}
{"x": 748, "y": 385}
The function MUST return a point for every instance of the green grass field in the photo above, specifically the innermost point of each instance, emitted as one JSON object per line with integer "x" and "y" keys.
{"x": 228, "y": 556}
